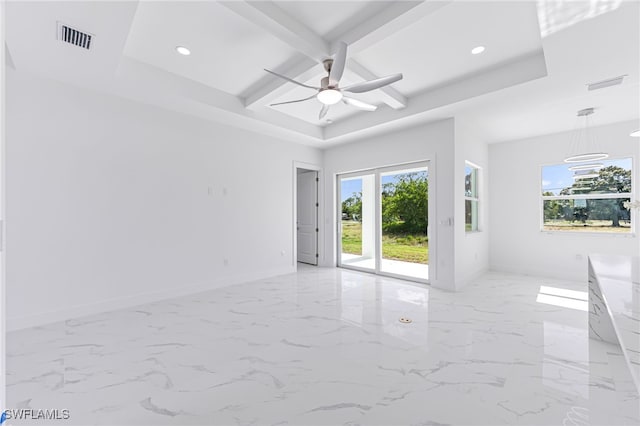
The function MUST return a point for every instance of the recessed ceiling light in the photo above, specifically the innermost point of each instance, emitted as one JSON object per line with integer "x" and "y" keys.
{"x": 183, "y": 50}
{"x": 477, "y": 50}
{"x": 635, "y": 133}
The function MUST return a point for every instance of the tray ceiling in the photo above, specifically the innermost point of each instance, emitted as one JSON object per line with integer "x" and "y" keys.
{"x": 231, "y": 42}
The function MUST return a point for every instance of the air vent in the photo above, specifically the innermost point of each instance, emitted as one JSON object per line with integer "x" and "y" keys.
{"x": 606, "y": 83}
{"x": 74, "y": 36}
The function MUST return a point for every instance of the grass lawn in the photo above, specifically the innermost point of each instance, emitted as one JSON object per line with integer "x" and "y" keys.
{"x": 351, "y": 237}
{"x": 408, "y": 248}
{"x": 592, "y": 226}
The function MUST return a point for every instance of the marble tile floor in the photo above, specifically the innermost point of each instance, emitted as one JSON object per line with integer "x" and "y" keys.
{"x": 324, "y": 347}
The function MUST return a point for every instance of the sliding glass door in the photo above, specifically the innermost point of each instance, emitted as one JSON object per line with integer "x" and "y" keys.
{"x": 383, "y": 221}
{"x": 405, "y": 202}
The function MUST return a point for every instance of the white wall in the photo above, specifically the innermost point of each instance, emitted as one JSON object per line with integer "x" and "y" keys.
{"x": 434, "y": 142}
{"x": 108, "y": 202}
{"x": 516, "y": 241}
{"x": 3, "y": 299}
{"x": 471, "y": 248}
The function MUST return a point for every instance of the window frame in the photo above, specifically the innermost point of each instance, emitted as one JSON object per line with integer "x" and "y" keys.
{"x": 599, "y": 196}
{"x": 476, "y": 199}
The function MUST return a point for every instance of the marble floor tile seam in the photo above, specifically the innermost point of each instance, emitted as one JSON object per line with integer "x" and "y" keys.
{"x": 495, "y": 346}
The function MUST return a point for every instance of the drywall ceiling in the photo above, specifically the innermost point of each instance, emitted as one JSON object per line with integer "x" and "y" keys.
{"x": 227, "y": 52}
{"x": 522, "y": 85}
{"x": 436, "y": 49}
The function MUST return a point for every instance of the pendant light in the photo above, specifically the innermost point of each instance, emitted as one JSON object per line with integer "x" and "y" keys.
{"x": 583, "y": 143}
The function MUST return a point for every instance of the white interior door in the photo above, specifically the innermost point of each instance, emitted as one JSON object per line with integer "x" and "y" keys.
{"x": 307, "y": 225}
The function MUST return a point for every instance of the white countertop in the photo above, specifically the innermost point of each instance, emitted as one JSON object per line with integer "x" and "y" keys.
{"x": 619, "y": 280}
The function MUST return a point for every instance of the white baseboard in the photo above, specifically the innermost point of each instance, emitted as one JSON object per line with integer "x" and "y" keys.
{"x": 19, "y": 323}
{"x": 539, "y": 272}
{"x": 461, "y": 284}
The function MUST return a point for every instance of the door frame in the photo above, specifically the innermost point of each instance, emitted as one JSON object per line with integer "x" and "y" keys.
{"x": 294, "y": 246}
{"x": 377, "y": 171}
{"x": 339, "y": 220}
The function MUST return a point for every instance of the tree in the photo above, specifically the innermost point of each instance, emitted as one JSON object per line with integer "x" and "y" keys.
{"x": 352, "y": 206}
{"x": 610, "y": 179}
{"x": 388, "y": 214}
{"x": 553, "y": 209}
{"x": 405, "y": 203}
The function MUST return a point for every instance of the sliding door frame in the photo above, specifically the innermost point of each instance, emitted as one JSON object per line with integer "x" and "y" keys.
{"x": 339, "y": 217}
{"x": 377, "y": 172}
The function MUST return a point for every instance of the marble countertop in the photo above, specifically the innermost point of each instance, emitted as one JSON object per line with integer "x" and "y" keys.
{"x": 619, "y": 280}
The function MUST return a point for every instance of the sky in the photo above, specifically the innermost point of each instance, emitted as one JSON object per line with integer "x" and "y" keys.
{"x": 349, "y": 187}
{"x": 554, "y": 178}
{"x": 557, "y": 177}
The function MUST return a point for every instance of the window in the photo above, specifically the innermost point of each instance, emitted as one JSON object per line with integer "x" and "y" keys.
{"x": 587, "y": 197}
{"x": 471, "y": 197}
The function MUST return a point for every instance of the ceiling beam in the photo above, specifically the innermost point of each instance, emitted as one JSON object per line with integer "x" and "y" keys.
{"x": 139, "y": 81}
{"x": 361, "y": 35}
{"x": 501, "y": 76}
{"x": 268, "y": 87}
{"x": 389, "y": 95}
{"x": 268, "y": 16}
{"x": 302, "y": 66}
{"x": 395, "y": 17}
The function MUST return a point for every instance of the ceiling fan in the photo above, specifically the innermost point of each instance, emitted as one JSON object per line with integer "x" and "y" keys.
{"x": 329, "y": 93}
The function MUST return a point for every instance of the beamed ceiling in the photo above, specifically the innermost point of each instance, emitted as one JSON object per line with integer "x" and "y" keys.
{"x": 530, "y": 79}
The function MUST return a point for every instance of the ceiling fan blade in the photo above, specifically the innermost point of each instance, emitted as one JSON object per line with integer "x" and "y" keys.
{"x": 323, "y": 111}
{"x": 291, "y": 80}
{"x": 359, "y": 104}
{"x": 366, "y": 86}
{"x": 337, "y": 68}
{"x": 291, "y": 102}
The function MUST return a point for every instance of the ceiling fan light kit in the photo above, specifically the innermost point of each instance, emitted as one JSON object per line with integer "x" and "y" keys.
{"x": 330, "y": 93}
{"x": 329, "y": 96}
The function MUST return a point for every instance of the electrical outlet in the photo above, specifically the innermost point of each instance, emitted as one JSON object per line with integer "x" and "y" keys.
{"x": 225, "y": 262}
